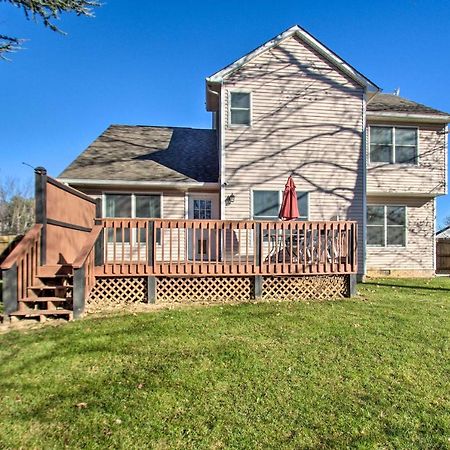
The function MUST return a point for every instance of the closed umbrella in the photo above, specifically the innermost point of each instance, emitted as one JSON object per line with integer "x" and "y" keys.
{"x": 289, "y": 205}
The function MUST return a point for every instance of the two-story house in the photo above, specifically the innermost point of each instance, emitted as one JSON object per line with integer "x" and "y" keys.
{"x": 290, "y": 107}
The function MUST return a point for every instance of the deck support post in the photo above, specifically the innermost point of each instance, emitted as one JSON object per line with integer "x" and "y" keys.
{"x": 258, "y": 240}
{"x": 79, "y": 282}
{"x": 352, "y": 285}
{"x": 258, "y": 286}
{"x": 150, "y": 241}
{"x": 151, "y": 289}
{"x": 98, "y": 208}
{"x": 40, "y": 187}
{"x": 9, "y": 293}
{"x": 99, "y": 256}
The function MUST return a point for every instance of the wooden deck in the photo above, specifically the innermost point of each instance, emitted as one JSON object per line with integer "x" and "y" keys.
{"x": 66, "y": 253}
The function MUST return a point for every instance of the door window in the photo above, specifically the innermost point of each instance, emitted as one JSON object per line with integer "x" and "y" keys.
{"x": 202, "y": 209}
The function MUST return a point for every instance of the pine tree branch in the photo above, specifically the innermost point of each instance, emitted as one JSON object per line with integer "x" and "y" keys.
{"x": 48, "y": 11}
{"x": 9, "y": 44}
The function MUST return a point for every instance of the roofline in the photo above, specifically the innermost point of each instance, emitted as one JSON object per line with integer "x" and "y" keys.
{"x": 158, "y": 126}
{"x": 429, "y": 195}
{"x": 442, "y": 230}
{"x": 128, "y": 183}
{"x": 309, "y": 39}
{"x": 413, "y": 117}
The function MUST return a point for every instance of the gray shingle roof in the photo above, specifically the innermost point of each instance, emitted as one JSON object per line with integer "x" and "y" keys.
{"x": 144, "y": 153}
{"x": 394, "y": 103}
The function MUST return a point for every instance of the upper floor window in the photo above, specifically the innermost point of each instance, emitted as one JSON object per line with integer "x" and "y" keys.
{"x": 386, "y": 225}
{"x": 267, "y": 204}
{"x": 240, "y": 113}
{"x": 393, "y": 145}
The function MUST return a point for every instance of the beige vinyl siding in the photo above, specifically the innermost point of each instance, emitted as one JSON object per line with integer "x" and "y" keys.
{"x": 419, "y": 251}
{"x": 428, "y": 177}
{"x": 307, "y": 119}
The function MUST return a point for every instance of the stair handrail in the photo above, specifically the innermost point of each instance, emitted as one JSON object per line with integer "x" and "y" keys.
{"x": 83, "y": 270}
{"x": 88, "y": 246}
{"x": 20, "y": 268}
{"x": 22, "y": 247}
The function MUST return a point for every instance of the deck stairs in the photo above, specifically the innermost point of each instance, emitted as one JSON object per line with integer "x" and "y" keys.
{"x": 49, "y": 297}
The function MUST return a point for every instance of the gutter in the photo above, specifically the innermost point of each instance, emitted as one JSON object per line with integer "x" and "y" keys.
{"x": 127, "y": 183}
{"x": 403, "y": 194}
{"x": 409, "y": 117}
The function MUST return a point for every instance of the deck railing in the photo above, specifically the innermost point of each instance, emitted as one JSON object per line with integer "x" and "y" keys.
{"x": 224, "y": 247}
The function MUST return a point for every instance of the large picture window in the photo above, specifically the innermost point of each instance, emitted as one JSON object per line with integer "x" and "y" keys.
{"x": 267, "y": 204}
{"x": 131, "y": 206}
{"x": 393, "y": 145}
{"x": 386, "y": 226}
{"x": 240, "y": 113}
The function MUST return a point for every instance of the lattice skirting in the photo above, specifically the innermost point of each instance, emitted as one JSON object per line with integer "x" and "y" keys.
{"x": 118, "y": 290}
{"x": 318, "y": 287}
{"x": 110, "y": 290}
{"x": 204, "y": 289}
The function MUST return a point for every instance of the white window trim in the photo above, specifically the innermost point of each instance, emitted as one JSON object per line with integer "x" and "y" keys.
{"x": 239, "y": 91}
{"x": 392, "y": 159}
{"x": 133, "y": 201}
{"x": 385, "y": 245}
{"x": 280, "y": 199}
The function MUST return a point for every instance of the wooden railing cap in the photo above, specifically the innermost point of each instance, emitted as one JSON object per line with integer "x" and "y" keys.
{"x": 22, "y": 247}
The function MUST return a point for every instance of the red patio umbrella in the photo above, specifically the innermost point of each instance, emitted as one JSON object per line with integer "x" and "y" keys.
{"x": 289, "y": 206}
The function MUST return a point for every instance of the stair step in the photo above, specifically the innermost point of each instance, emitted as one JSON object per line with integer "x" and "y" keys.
{"x": 49, "y": 270}
{"x": 44, "y": 299}
{"x": 52, "y": 288}
{"x": 42, "y": 312}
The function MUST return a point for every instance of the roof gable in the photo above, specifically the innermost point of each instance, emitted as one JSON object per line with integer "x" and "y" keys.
{"x": 304, "y": 36}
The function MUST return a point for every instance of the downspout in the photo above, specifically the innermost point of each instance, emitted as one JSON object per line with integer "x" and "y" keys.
{"x": 434, "y": 235}
{"x": 222, "y": 152}
{"x": 364, "y": 186}
{"x": 446, "y": 160}
{"x": 221, "y": 143}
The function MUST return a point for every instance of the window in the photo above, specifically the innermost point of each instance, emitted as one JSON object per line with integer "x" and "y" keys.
{"x": 393, "y": 145}
{"x": 240, "y": 108}
{"x": 132, "y": 205}
{"x": 386, "y": 226}
{"x": 267, "y": 204}
{"x": 118, "y": 205}
{"x": 202, "y": 209}
{"x": 147, "y": 206}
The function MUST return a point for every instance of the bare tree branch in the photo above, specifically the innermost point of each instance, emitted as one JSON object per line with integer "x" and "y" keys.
{"x": 16, "y": 207}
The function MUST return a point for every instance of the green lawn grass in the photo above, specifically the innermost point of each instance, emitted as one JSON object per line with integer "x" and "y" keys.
{"x": 370, "y": 372}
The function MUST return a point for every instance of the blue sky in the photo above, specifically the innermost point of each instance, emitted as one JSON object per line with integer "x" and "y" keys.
{"x": 147, "y": 64}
